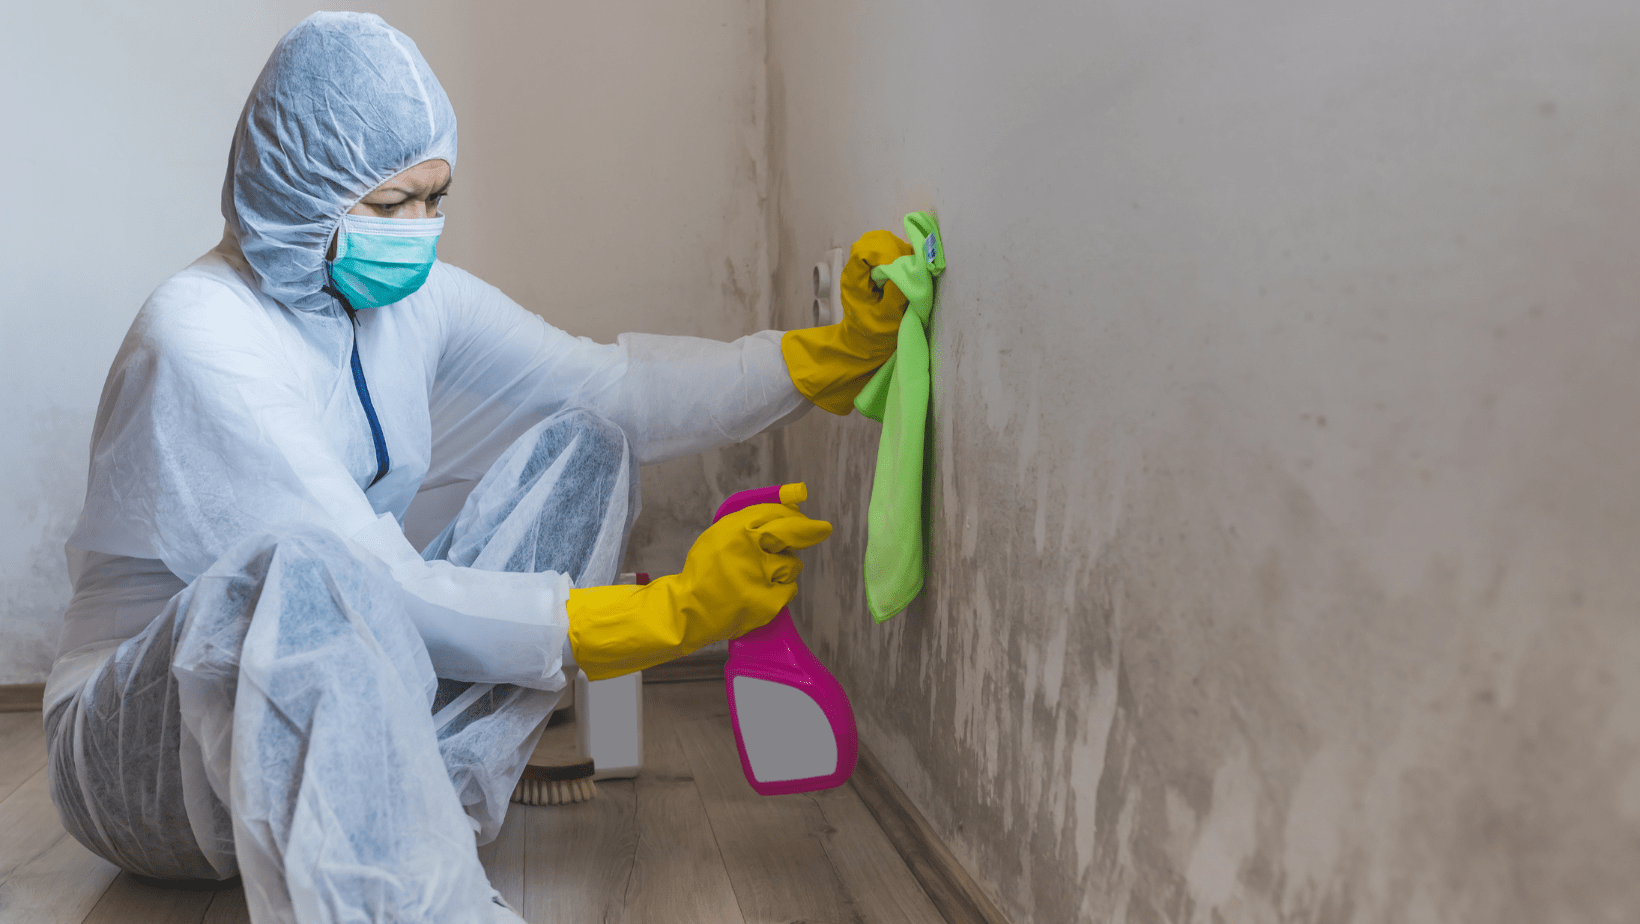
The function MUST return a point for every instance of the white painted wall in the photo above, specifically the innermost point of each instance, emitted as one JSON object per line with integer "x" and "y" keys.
{"x": 117, "y": 119}
{"x": 610, "y": 178}
{"x": 1286, "y": 502}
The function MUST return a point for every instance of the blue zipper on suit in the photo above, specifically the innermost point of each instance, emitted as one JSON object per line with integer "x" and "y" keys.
{"x": 382, "y": 461}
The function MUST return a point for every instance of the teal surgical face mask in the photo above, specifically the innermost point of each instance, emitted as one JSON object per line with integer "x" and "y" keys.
{"x": 382, "y": 260}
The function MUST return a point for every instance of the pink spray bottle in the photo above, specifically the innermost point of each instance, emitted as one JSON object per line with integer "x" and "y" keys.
{"x": 793, "y": 722}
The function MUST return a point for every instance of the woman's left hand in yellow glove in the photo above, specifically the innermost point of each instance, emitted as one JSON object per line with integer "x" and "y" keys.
{"x": 738, "y": 575}
{"x": 831, "y": 364}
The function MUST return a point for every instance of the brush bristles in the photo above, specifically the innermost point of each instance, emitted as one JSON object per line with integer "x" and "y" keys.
{"x": 554, "y": 792}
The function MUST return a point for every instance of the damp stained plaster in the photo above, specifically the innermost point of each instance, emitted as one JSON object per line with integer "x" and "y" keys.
{"x": 1282, "y": 489}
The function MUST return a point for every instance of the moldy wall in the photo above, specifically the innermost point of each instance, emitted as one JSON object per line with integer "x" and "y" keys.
{"x": 1287, "y": 383}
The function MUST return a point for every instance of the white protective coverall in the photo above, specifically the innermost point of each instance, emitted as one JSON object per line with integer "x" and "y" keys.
{"x": 258, "y": 672}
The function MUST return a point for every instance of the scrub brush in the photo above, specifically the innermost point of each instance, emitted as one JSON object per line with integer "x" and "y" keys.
{"x": 557, "y": 773}
{"x": 560, "y": 771}
{"x": 556, "y": 785}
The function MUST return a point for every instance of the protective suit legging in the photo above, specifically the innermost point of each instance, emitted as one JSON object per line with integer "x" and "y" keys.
{"x": 281, "y": 717}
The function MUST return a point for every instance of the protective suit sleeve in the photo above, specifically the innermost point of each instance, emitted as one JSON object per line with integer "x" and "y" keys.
{"x": 503, "y": 368}
{"x": 490, "y": 626}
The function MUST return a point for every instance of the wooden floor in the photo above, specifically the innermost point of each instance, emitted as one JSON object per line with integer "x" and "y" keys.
{"x": 687, "y": 841}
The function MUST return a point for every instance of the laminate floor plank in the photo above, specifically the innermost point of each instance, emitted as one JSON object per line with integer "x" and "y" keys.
{"x": 28, "y": 824}
{"x": 59, "y": 885}
{"x": 503, "y": 858}
{"x": 877, "y": 878}
{"x": 687, "y": 841}
{"x": 128, "y": 901}
{"x": 22, "y": 749}
{"x": 772, "y": 846}
{"x": 678, "y": 873}
{"x": 579, "y": 857}
{"x": 228, "y": 907}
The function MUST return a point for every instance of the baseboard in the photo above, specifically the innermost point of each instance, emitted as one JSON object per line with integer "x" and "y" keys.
{"x": 22, "y": 697}
{"x": 949, "y": 887}
{"x": 953, "y": 892}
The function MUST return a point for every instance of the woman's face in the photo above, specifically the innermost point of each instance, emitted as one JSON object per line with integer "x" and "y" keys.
{"x": 415, "y": 193}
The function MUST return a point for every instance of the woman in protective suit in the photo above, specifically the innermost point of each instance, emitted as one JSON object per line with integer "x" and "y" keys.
{"x": 258, "y": 673}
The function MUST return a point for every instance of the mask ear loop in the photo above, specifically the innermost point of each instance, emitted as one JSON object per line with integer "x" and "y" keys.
{"x": 331, "y": 290}
{"x": 329, "y": 287}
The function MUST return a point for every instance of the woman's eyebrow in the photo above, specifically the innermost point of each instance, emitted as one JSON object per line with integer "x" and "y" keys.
{"x": 411, "y": 193}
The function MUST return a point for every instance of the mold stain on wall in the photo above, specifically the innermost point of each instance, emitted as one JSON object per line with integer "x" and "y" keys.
{"x": 1282, "y": 495}
{"x": 1162, "y": 680}
{"x": 1161, "y": 720}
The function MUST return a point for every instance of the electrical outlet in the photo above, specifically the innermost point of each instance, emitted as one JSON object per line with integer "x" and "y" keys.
{"x": 828, "y": 293}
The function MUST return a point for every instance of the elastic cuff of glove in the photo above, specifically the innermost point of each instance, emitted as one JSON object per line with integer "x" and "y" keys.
{"x": 614, "y": 630}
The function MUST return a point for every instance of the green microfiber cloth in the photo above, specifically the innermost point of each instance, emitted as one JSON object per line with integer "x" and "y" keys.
{"x": 898, "y": 397}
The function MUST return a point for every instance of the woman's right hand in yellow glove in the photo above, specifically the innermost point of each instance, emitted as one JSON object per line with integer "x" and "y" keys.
{"x": 738, "y": 575}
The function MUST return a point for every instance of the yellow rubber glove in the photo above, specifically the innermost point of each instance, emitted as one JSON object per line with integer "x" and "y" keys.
{"x": 831, "y": 364}
{"x": 738, "y": 575}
